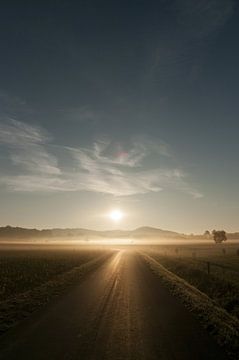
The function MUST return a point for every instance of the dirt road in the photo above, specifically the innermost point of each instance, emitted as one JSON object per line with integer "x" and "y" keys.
{"x": 119, "y": 311}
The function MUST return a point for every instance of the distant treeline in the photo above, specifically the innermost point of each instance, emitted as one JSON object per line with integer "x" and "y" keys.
{"x": 22, "y": 233}
{"x": 10, "y": 232}
{"x": 18, "y": 232}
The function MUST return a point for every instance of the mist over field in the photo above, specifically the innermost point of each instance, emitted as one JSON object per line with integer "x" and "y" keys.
{"x": 119, "y": 201}
{"x": 90, "y": 286}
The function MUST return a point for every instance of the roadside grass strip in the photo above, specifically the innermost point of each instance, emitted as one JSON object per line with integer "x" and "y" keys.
{"x": 14, "y": 310}
{"x": 223, "y": 326}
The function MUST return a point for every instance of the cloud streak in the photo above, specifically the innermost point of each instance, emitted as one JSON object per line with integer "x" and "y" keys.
{"x": 204, "y": 17}
{"x": 26, "y": 148}
{"x": 139, "y": 166}
{"x": 195, "y": 23}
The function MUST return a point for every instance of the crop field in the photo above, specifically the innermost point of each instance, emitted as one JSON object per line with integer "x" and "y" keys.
{"x": 70, "y": 290}
{"x": 23, "y": 269}
{"x": 32, "y": 275}
{"x": 213, "y": 269}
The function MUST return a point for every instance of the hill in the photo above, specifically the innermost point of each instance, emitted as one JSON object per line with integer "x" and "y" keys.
{"x": 14, "y": 233}
{"x": 18, "y": 233}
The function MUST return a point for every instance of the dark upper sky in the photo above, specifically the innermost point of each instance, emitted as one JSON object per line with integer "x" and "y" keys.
{"x": 130, "y": 104}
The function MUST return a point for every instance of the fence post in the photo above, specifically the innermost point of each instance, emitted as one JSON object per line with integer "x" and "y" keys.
{"x": 208, "y": 267}
{"x": 223, "y": 270}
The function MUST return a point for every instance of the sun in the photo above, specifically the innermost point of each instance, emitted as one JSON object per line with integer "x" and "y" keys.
{"x": 116, "y": 215}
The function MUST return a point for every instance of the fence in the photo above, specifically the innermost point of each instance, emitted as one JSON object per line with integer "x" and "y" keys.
{"x": 211, "y": 267}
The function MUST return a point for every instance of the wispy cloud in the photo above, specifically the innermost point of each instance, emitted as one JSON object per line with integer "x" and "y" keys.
{"x": 81, "y": 114}
{"x": 139, "y": 166}
{"x": 26, "y": 146}
{"x": 16, "y": 133}
{"x": 184, "y": 51}
{"x": 14, "y": 106}
{"x": 203, "y": 17}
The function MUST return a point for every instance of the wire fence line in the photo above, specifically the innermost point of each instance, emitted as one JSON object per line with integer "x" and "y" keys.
{"x": 210, "y": 266}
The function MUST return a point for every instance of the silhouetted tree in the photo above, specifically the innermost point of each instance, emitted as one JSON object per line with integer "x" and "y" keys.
{"x": 219, "y": 236}
{"x": 207, "y": 234}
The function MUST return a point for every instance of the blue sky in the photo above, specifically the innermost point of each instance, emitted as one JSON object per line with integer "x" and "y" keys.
{"x": 124, "y": 105}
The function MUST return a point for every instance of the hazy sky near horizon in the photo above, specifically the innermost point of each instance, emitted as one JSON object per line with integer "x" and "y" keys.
{"x": 129, "y": 105}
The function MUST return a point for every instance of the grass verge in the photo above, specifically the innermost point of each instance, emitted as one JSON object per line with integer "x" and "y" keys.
{"x": 223, "y": 326}
{"x": 220, "y": 285}
{"x": 14, "y": 310}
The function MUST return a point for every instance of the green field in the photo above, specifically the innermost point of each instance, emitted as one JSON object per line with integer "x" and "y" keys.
{"x": 32, "y": 275}
{"x": 26, "y": 267}
{"x": 213, "y": 269}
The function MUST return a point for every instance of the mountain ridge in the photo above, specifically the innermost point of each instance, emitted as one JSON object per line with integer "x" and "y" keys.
{"x": 10, "y": 232}
{"x": 19, "y": 232}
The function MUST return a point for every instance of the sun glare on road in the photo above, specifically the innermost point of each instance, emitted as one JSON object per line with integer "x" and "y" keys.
{"x": 116, "y": 215}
